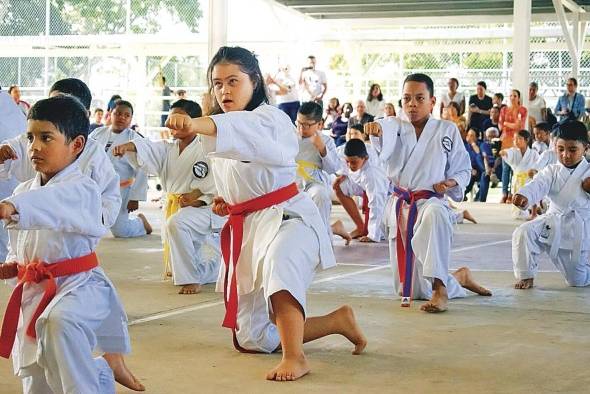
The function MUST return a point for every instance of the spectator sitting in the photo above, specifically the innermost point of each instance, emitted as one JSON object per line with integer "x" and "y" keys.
{"x": 14, "y": 91}
{"x": 452, "y": 113}
{"x": 493, "y": 120}
{"x": 361, "y": 116}
{"x": 389, "y": 110}
{"x": 332, "y": 112}
{"x": 479, "y": 106}
{"x": 489, "y": 154}
{"x": 498, "y": 100}
{"x": 477, "y": 165}
{"x": 340, "y": 125}
{"x": 452, "y": 95}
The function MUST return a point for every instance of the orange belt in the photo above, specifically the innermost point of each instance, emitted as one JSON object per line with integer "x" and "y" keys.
{"x": 37, "y": 272}
{"x": 231, "y": 243}
{"x": 126, "y": 183}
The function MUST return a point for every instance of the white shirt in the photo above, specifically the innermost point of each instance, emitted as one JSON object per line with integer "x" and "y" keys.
{"x": 535, "y": 106}
{"x": 289, "y": 83}
{"x": 313, "y": 79}
{"x": 445, "y": 99}
{"x": 376, "y": 108}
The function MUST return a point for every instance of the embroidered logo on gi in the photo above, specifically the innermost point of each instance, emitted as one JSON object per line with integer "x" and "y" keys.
{"x": 200, "y": 169}
{"x": 447, "y": 144}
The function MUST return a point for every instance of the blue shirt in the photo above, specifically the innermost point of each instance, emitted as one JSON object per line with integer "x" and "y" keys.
{"x": 576, "y": 108}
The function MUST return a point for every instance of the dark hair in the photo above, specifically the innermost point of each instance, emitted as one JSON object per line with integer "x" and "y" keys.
{"x": 495, "y": 106}
{"x": 74, "y": 87}
{"x": 483, "y": 85}
{"x": 543, "y": 126}
{"x": 337, "y": 102}
{"x": 123, "y": 103}
{"x": 11, "y": 88}
{"x": 573, "y": 130}
{"x": 534, "y": 85}
{"x": 98, "y": 110}
{"x": 163, "y": 79}
{"x": 454, "y": 80}
{"x": 347, "y": 105}
{"x": 248, "y": 64}
{"x": 358, "y": 127}
{"x": 500, "y": 96}
{"x": 574, "y": 80}
{"x": 355, "y": 147}
{"x": 370, "y": 95}
{"x": 311, "y": 110}
{"x": 455, "y": 105}
{"x": 190, "y": 107}
{"x": 524, "y": 134}
{"x": 422, "y": 78}
{"x": 114, "y": 98}
{"x": 66, "y": 113}
{"x": 311, "y": 57}
{"x": 517, "y": 92}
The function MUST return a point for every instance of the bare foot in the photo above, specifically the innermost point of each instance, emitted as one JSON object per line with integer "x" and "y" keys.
{"x": 192, "y": 288}
{"x": 146, "y": 224}
{"x": 349, "y": 327}
{"x": 524, "y": 284}
{"x": 338, "y": 229}
{"x": 466, "y": 280}
{"x": 439, "y": 301}
{"x": 122, "y": 374}
{"x": 468, "y": 216}
{"x": 357, "y": 233}
{"x": 289, "y": 369}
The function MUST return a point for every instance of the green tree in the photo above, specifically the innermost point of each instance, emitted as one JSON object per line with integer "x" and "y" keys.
{"x": 27, "y": 17}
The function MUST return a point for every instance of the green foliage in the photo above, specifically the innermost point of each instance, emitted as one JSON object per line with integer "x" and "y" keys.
{"x": 339, "y": 64}
{"x": 483, "y": 60}
{"x": 27, "y": 17}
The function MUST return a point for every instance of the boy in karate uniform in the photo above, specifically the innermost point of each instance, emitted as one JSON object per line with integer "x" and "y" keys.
{"x": 274, "y": 238}
{"x": 564, "y": 231}
{"x": 363, "y": 177}
{"x": 317, "y": 159}
{"x": 67, "y": 300}
{"x": 133, "y": 182}
{"x": 188, "y": 225}
{"x": 425, "y": 160}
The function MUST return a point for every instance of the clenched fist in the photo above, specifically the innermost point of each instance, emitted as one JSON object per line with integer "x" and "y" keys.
{"x": 179, "y": 122}
{"x": 7, "y": 153}
{"x": 374, "y": 129}
{"x": 586, "y": 185}
{"x": 520, "y": 201}
{"x": 219, "y": 206}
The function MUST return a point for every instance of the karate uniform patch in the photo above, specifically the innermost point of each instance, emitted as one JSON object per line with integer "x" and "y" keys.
{"x": 200, "y": 169}
{"x": 447, "y": 144}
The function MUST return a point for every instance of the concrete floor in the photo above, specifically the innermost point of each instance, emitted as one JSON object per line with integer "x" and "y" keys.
{"x": 514, "y": 342}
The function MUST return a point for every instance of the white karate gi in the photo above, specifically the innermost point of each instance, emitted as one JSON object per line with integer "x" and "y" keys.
{"x": 194, "y": 246}
{"x": 57, "y": 221}
{"x": 563, "y": 232}
{"x": 12, "y": 123}
{"x": 314, "y": 174}
{"x": 93, "y": 162}
{"x": 438, "y": 155}
{"x": 545, "y": 159}
{"x": 520, "y": 164}
{"x": 370, "y": 179}
{"x": 254, "y": 154}
{"x": 124, "y": 226}
{"x": 540, "y": 147}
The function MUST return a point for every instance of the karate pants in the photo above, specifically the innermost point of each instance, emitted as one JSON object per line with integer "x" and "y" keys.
{"x": 195, "y": 253}
{"x": 287, "y": 266}
{"x": 322, "y": 198}
{"x": 433, "y": 237}
{"x": 126, "y": 226}
{"x": 66, "y": 341}
{"x": 527, "y": 248}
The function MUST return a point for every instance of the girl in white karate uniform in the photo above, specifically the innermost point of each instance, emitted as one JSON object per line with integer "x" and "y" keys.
{"x": 284, "y": 240}
{"x": 55, "y": 218}
{"x": 564, "y": 231}
{"x": 189, "y": 227}
{"x": 522, "y": 160}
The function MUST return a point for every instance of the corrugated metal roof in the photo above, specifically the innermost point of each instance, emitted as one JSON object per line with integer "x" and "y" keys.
{"x": 343, "y": 9}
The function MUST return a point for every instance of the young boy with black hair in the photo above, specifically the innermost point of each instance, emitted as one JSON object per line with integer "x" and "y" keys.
{"x": 317, "y": 159}
{"x": 189, "y": 228}
{"x": 564, "y": 231}
{"x": 542, "y": 134}
{"x": 363, "y": 178}
{"x": 133, "y": 182}
{"x": 65, "y": 299}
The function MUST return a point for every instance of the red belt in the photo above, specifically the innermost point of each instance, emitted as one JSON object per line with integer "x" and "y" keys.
{"x": 231, "y": 243}
{"x": 37, "y": 272}
{"x": 405, "y": 255}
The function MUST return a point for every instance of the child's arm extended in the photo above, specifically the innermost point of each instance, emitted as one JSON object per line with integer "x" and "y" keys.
{"x": 586, "y": 185}
{"x": 150, "y": 155}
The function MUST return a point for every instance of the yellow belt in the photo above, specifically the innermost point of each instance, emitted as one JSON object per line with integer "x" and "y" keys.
{"x": 520, "y": 179}
{"x": 172, "y": 206}
{"x": 303, "y": 166}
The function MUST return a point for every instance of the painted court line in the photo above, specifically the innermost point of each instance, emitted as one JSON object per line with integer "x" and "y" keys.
{"x": 210, "y": 304}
